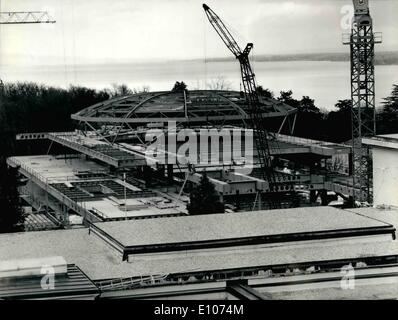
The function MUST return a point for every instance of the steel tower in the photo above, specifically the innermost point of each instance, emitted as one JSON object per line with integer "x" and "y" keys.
{"x": 362, "y": 42}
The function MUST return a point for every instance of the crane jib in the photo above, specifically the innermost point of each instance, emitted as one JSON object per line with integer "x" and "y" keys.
{"x": 250, "y": 90}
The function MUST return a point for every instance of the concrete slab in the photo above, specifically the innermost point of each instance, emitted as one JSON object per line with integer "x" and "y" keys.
{"x": 99, "y": 261}
{"x": 237, "y": 226}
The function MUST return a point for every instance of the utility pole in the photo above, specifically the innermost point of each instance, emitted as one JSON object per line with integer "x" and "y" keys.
{"x": 362, "y": 42}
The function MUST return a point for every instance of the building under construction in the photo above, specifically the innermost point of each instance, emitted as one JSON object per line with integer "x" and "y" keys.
{"x": 104, "y": 171}
{"x": 120, "y": 185}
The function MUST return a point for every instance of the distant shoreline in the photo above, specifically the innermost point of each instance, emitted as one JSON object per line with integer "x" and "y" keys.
{"x": 381, "y": 58}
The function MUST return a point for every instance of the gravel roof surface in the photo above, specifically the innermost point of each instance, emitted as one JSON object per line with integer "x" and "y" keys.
{"x": 234, "y": 225}
{"x": 389, "y": 215}
{"x": 100, "y": 261}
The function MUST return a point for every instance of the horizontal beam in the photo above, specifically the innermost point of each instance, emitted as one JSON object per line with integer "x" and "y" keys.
{"x": 181, "y": 119}
{"x": 32, "y": 136}
{"x": 21, "y": 17}
{"x": 382, "y": 142}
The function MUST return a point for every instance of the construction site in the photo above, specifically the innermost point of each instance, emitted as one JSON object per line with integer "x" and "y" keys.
{"x": 107, "y": 204}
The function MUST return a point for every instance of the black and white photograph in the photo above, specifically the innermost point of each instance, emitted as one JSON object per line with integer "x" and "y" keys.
{"x": 217, "y": 152}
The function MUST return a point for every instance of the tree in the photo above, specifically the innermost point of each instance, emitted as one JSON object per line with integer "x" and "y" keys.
{"x": 338, "y": 123}
{"x": 391, "y": 103}
{"x": 307, "y": 105}
{"x": 179, "y": 86}
{"x": 309, "y": 123}
{"x": 344, "y": 105}
{"x": 120, "y": 90}
{"x": 11, "y": 214}
{"x": 204, "y": 199}
{"x": 287, "y": 97}
{"x": 388, "y": 116}
{"x": 266, "y": 93}
{"x": 219, "y": 84}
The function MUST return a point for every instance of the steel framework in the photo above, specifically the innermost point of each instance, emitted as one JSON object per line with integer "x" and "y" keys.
{"x": 261, "y": 135}
{"x": 362, "y": 43}
{"x": 21, "y": 17}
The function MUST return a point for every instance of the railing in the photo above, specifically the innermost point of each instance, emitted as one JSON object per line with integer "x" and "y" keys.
{"x": 73, "y": 141}
{"x": 80, "y": 147}
{"x": 77, "y": 179}
{"x": 99, "y": 213}
{"x": 125, "y": 283}
{"x": 306, "y": 141}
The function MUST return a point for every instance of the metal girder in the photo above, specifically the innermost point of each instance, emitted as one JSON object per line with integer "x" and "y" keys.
{"x": 25, "y": 17}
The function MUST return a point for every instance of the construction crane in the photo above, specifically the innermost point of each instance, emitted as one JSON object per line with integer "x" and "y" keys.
{"x": 23, "y": 17}
{"x": 261, "y": 136}
{"x": 362, "y": 42}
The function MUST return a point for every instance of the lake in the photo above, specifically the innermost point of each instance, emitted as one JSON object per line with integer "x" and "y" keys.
{"x": 326, "y": 82}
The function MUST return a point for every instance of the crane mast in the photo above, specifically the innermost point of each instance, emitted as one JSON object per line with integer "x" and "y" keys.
{"x": 362, "y": 42}
{"x": 260, "y": 134}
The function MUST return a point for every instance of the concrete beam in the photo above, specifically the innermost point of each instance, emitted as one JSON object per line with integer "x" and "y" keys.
{"x": 386, "y": 141}
{"x": 220, "y": 186}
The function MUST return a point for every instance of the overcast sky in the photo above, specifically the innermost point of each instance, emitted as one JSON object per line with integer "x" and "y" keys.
{"x": 122, "y": 30}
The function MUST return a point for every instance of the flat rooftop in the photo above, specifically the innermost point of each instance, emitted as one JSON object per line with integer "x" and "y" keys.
{"x": 265, "y": 225}
{"x": 91, "y": 186}
{"x": 388, "y": 215}
{"x": 139, "y": 207}
{"x": 57, "y": 169}
{"x": 99, "y": 261}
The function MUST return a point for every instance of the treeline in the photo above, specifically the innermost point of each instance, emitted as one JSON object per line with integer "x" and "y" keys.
{"x": 335, "y": 126}
{"x": 29, "y": 107}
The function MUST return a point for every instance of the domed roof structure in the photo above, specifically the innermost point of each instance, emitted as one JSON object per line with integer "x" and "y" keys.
{"x": 195, "y": 107}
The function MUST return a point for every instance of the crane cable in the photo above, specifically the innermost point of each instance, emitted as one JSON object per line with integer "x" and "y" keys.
{"x": 0, "y": 48}
{"x": 63, "y": 46}
{"x": 205, "y": 50}
{"x": 241, "y": 40}
{"x": 2, "y": 88}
